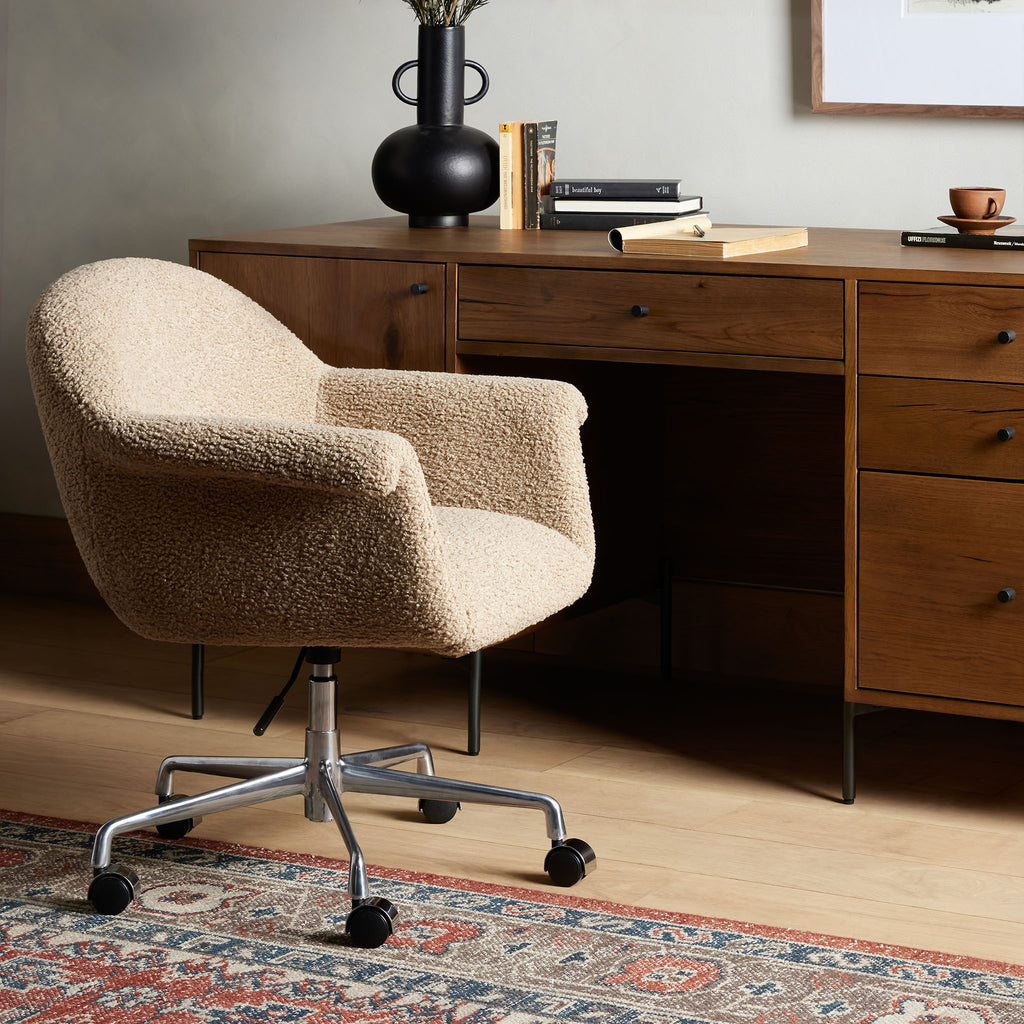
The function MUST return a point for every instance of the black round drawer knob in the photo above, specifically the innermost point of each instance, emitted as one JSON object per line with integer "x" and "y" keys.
{"x": 1006, "y": 433}
{"x": 639, "y": 310}
{"x": 1005, "y": 337}
{"x": 1006, "y": 594}
{"x": 420, "y": 288}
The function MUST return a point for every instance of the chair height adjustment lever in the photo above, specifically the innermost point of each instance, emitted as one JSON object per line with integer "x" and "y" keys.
{"x": 268, "y": 716}
{"x": 278, "y": 702}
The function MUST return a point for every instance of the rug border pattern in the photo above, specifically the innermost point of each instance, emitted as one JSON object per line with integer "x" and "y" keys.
{"x": 554, "y": 899}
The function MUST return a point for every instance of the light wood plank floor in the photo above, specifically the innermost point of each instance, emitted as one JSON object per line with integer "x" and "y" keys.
{"x": 723, "y": 803}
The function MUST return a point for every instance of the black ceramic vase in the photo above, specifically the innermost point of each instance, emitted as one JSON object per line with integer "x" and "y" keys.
{"x": 438, "y": 170}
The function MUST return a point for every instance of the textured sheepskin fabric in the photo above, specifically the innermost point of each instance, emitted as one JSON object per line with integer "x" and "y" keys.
{"x": 225, "y": 486}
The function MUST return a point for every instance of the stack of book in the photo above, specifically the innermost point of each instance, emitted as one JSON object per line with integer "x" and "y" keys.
{"x": 526, "y": 151}
{"x": 600, "y": 204}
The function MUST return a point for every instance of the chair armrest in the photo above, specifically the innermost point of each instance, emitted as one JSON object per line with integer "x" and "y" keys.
{"x": 335, "y": 459}
{"x": 506, "y": 444}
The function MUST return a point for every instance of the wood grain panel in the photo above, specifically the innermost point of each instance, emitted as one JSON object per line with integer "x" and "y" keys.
{"x": 947, "y": 331}
{"x": 349, "y": 312}
{"x": 280, "y": 284}
{"x": 933, "y": 426}
{"x": 687, "y": 312}
{"x": 934, "y": 553}
{"x": 364, "y": 313}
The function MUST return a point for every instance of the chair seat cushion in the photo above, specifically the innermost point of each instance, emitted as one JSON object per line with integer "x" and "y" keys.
{"x": 508, "y": 572}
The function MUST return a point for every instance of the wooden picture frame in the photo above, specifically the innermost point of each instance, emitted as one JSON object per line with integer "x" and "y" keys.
{"x": 852, "y": 75}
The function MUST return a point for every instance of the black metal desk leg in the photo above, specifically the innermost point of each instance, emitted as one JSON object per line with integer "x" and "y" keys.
{"x": 198, "y": 660}
{"x": 851, "y": 712}
{"x": 849, "y": 766}
{"x": 475, "y": 674}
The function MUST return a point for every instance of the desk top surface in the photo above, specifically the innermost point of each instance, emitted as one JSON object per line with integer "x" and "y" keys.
{"x": 832, "y": 252}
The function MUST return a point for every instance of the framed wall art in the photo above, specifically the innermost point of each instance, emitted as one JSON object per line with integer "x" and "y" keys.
{"x": 945, "y": 58}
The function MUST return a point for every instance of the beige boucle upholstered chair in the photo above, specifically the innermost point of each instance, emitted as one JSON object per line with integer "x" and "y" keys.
{"x": 225, "y": 486}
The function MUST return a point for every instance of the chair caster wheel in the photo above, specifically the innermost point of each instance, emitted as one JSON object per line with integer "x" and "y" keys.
{"x": 371, "y": 923}
{"x": 567, "y": 862}
{"x": 437, "y": 812}
{"x": 113, "y": 889}
{"x": 176, "y": 829}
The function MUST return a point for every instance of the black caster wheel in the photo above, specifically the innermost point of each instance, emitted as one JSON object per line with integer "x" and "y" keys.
{"x": 437, "y": 812}
{"x": 569, "y": 861}
{"x": 176, "y": 829}
{"x": 113, "y": 889}
{"x": 371, "y": 923}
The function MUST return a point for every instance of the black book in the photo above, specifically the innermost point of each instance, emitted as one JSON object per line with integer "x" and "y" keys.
{"x": 600, "y": 221}
{"x": 616, "y": 188}
{"x": 953, "y": 239}
{"x": 531, "y": 189}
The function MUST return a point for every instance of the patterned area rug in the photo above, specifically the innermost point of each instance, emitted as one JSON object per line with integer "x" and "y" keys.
{"x": 223, "y": 933}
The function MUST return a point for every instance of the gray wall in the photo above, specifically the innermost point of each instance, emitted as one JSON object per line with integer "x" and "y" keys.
{"x": 132, "y": 125}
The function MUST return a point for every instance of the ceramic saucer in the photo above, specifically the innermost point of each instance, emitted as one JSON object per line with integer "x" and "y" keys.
{"x": 969, "y": 226}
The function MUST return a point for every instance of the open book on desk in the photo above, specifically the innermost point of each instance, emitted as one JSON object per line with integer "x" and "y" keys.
{"x": 697, "y": 236}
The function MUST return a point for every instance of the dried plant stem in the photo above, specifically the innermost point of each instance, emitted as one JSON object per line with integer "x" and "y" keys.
{"x": 444, "y": 12}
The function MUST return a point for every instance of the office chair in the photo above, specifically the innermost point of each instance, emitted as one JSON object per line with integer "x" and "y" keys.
{"x": 224, "y": 486}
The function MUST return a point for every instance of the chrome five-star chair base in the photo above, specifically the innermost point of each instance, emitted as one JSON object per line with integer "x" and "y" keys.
{"x": 321, "y": 777}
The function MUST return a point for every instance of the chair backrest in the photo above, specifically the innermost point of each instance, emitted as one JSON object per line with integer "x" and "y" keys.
{"x": 141, "y": 335}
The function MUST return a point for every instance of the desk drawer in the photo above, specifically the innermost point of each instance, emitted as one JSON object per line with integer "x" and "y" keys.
{"x": 941, "y": 426}
{"x": 685, "y": 312}
{"x": 948, "y": 331}
{"x": 935, "y": 553}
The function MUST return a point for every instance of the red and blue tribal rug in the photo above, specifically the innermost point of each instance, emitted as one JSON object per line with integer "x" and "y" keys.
{"x": 223, "y": 933}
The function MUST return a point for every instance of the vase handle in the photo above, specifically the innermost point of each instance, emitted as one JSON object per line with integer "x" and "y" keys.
{"x": 395, "y": 82}
{"x": 485, "y": 82}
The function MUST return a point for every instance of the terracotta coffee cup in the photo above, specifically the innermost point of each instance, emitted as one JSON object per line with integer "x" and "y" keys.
{"x": 977, "y": 202}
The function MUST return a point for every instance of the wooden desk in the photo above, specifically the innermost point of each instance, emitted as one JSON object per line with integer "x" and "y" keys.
{"x": 812, "y": 436}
